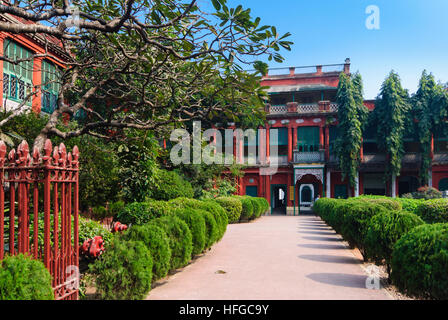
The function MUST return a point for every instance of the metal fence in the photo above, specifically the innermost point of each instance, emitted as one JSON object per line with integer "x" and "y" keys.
{"x": 39, "y": 211}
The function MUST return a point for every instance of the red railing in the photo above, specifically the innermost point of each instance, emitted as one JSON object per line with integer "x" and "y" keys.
{"x": 30, "y": 184}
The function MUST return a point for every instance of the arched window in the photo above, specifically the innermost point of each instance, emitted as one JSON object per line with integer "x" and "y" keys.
{"x": 443, "y": 184}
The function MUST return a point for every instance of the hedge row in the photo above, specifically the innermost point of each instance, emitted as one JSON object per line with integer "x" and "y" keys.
{"x": 415, "y": 253}
{"x": 243, "y": 208}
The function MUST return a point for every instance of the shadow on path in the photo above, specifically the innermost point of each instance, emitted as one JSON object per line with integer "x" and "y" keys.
{"x": 329, "y": 258}
{"x": 322, "y": 246}
{"x": 321, "y": 238}
{"x": 340, "y": 279}
{"x": 318, "y": 232}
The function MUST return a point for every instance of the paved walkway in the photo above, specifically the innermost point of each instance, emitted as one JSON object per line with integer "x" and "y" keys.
{"x": 275, "y": 257}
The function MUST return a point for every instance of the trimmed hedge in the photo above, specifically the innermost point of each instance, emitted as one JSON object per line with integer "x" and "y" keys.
{"x": 171, "y": 185}
{"x": 420, "y": 262}
{"x": 385, "y": 229}
{"x": 139, "y": 213}
{"x": 233, "y": 207}
{"x": 410, "y": 205}
{"x": 124, "y": 271}
{"x": 433, "y": 211}
{"x": 211, "y": 228}
{"x": 258, "y": 207}
{"x": 196, "y": 223}
{"x": 181, "y": 239}
{"x": 22, "y": 278}
{"x": 247, "y": 211}
{"x": 158, "y": 244}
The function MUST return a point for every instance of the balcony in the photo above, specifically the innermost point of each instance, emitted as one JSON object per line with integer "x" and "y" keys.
{"x": 309, "y": 156}
{"x": 304, "y": 108}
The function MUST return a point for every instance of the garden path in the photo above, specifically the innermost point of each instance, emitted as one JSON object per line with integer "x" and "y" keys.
{"x": 274, "y": 257}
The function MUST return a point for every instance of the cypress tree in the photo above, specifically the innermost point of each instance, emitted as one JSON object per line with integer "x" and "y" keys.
{"x": 351, "y": 115}
{"x": 391, "y": 109}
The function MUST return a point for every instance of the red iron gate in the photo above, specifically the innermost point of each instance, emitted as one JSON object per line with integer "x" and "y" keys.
{"x": 30, "y": 184}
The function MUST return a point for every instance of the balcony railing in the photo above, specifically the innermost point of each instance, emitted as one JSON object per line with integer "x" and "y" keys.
{"x": 304, "y": 108}
{"x": 309, "y": 156}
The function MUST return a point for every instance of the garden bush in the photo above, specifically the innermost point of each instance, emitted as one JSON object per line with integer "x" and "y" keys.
{"x": 265, "y": 205}
{"x": 124, "y": 271}
{"x": 196, "y": 224}
{"x": 247, "y": 207}
{"x": 181, "y": 240}
{"x": 420, "y": 262}
{"x": 232, "y": 206}
{"x": 139, "y": 213}
{"x": 211, "y": 228}
{"x": 115, "y": 208}
{"x": 99, "y": 213}
{"x": 219, "y": 213}
{"x": 89, "y": 228}
{"x": 385, "y": 229}
{"x": 433, "y": 211}
{"x": 425, "y": 193}
{"x": 386, "y": 202}
{"x": 158, "y": 244}
{"x": 22, "y": 278}
{"x": 257, "y": 207}
{"x": 171, "y": 185}
{"x": 410, "y": 205}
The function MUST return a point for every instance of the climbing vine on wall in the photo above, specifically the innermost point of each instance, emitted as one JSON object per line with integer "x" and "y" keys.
{"x": 351, "y": 115}
{"x": 390, "y": 115}
{"x": 429, "y": 108}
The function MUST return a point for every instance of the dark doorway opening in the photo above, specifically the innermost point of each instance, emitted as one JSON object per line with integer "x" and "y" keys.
{"x": 278, "y": 199}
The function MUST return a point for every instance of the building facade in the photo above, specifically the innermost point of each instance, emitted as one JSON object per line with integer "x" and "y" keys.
{"x": 302, "y": 108}
{"x": 37, "y": 77}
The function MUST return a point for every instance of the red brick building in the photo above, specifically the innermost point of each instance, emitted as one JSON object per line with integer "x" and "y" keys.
{"x": 302, "y": 108}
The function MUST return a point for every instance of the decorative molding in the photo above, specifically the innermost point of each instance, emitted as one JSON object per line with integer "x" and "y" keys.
{"x": 300, "y": 121}
{"x": 284, "y": 121}
{"x": 300, "y": 173}
{"x": 317, "y": 120}
{"x": 271, "y": 122}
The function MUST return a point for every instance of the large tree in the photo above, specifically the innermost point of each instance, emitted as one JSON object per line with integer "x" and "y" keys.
{"x": 147, "y": 64}
{"x": 390, "y": 115}
{"x": 351, "y": 116}
{"x": 430, "y": 109}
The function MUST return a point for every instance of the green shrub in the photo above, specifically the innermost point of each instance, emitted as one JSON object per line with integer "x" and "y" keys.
{"x": 170, "y": 185}
{"x": 99, "y": 213}
{"x": 139, "y": 213}
{"x": 232, "y": 206}
{"x": 22, "y": 278}
{"x": 158, "y": 244}
{"x": 420, "y": 262}
{"x": 124, "y": 271}
{"x": 386, "y": 202}
{"x": 181, "y": 240}
{"x": 211, "y": 228}
{"x": 196, "y": 224}
{"x": 257, "y": 207}
{"x": 424, "y": 193}
{"x": 247, "y": 207}
{"x": 410, "y": 205}
{"x": 356, "y": 217}
{"x": 115, "y": 208}
{"x": 433, "y": 211}
{"x": 219, "y": 213}
{"x": 385, "y": 229}
{"x": 265, "y": 205}
{"x": 89, "y": 228}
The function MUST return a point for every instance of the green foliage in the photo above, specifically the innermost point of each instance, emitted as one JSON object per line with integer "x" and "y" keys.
{"x": 351, "y": 116}
{"x": 409, "y": 205}
{"x": 88, "y": 229}
{"x": 430, "y": 107}
{"x": 219, "y": 213}
{"x": 139, "y": 213}
{"x": 196, "y": 223}
{"x": 387, "y": 203}
{"x": 433, "y": 211}
{"x": 22, "y": 278}
{"x": 420, "y": 262}
{"x": 211, "y": 228}
{"x": 232, "y": 206}
{"x": 181, "y": 240}
{"x": 115, "y": 208}
{"x": 258, "y": 207}
{"x": 158, "y": 244}
{"x": 171, "y": 185}
{"x": 247, "y": 207}
{"x": 425, "y": 193}
{"x": 390, "y": 117}
{"x": 385, "y": 229}
{"x": 124, "y": 271}
{"x": 99, "y": 213}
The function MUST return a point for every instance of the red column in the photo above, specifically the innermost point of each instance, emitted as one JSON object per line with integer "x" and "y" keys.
{"x": 267, "y": 143}
{"x": 361, "y": 152}
{"x": 327, "y": 143}
{"x": 432, "y": 146}
{"x": 2, "y": 38}
{"x": 37, "y": 82}
{"x": 294, "y": 139}
{"x": 268, "y": 188}
{"x": 289, "y": 144}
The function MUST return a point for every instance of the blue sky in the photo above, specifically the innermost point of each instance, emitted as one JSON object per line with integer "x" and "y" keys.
{"x": 413, "y": 36}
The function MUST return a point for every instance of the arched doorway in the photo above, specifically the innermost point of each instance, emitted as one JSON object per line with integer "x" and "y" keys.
{"x": 306, "y": 195}
{"x": 307, "y": 189}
